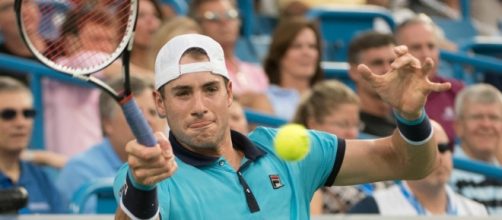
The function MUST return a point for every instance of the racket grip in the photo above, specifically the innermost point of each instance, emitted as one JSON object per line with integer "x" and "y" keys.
{"x": 139, "y": 126}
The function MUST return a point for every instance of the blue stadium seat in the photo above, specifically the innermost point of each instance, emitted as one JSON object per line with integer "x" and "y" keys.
{"x": 339, "y": 25}
{"x": 102, "y": 190}
{"x": 179, "y": 6}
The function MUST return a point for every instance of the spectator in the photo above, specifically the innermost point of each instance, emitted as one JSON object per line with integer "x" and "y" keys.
{"x": 219, "y": 19}
{"x": 64, "y": 102}
{"x": 420, "y": 35}
{"x": 150, "y": 19}
{"x": 333, "y": 107}
{"x": 375, "y": 50}
{"x": 173, "y": 27}
{"x": 16, "y": 124}
{"x": 428, "y": 196}
{"x": 104, "y": 159}
{"x": 478, "y": 124}
{"x": 293, "y": 64}
{"x": 12, "y": 43}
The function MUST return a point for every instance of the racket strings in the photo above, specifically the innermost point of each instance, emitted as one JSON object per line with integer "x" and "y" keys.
{"x": 81, "y": 36}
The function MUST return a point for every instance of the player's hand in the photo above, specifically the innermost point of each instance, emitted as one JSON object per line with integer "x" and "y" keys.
{"x": 406, "y": 86}
{"x": 150, "y": 165}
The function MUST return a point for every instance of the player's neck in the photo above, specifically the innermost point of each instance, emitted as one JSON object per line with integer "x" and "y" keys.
{"x": 9, "y": 165}
{"x": 231, "y": 154}
{"x": 433, "y": 198}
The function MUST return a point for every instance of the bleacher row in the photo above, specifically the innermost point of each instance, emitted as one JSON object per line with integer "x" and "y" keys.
{"x": 338, "y": 27}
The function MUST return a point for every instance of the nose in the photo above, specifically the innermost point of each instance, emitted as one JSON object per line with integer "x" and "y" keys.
{"x": 199, "y": 108}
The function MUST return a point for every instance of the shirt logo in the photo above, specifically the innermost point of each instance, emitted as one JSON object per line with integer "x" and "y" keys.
{"x": 276, "y": 181}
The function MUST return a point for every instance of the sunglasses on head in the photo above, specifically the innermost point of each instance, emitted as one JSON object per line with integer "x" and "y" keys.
{"x": 443, "y": 147}
{"x": 217, "y": 16}
{"x": 9, "y": 114}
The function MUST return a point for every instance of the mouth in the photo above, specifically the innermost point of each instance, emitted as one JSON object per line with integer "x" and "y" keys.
{"x": 199, "y": 124}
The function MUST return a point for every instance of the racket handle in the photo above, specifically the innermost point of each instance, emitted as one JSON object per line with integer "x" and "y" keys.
{"x": 139, "y": 126}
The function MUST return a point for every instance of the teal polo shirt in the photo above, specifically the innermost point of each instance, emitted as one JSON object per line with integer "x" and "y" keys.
{"x": 264, "y": 187}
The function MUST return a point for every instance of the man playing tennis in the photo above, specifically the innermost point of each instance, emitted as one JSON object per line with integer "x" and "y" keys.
{"x": 206, "y": 171}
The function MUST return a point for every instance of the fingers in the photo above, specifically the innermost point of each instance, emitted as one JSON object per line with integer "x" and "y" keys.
{"x": 150, "y": 165}
{"x": 404, "y": 61}
{"x": 400, "y": 50}
{"x": 428, "y": 66}
{"x": 440, "y": 87}
{"x": 365, "y": 71}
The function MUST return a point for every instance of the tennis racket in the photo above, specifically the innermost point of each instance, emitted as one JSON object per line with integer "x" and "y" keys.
{"x": 82, "y": 37}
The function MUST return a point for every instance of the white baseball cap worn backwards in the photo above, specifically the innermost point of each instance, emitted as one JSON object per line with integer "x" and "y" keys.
{"x": 167, "y": 64}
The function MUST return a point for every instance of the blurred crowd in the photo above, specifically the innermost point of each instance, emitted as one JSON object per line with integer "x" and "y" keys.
{"x": 85, "y": 132}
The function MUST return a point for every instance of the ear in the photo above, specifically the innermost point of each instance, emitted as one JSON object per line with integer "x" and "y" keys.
{"x": 457, "y": 125}
{"x": 312, "y": 123}
{"x": 159, "y": 104}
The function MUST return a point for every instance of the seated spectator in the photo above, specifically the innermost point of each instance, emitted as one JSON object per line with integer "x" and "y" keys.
{"x": 421, "y": 36}
{"x": 150, "y": 19}
{"x": 375, "y": 50}
{"x": 333, "y": 107}
{"x": 219, "y": 19}
{"x": 16, "y": 124}
{"x": 293, "y": 64}
{"x": 169, "y": 29}
{"x": 12, "y": 43}
{"x": 64, "y": 102}
{"x": 428, "y": 196}
{"x": 105, "y": 158}
{"x": 478, "y": 124}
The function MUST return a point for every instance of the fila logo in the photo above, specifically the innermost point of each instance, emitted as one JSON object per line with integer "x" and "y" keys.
{"x": 276, "y": 181}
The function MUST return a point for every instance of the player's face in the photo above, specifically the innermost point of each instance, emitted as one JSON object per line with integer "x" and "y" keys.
{"x": 343, "y": 122}
{"x": 197, "y": 108}
{"x": 148, "y": 22}
{"x": 421, "y": 41}
{"x": 220, "y": 21}
{"x": 300, "y": 60}
{"x": 15, "y": 131}
{"x": 480, "y": 127}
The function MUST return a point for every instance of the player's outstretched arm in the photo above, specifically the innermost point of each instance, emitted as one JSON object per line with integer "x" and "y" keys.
{"x": 410, "y": 152}
{"x": 147, "y": 167}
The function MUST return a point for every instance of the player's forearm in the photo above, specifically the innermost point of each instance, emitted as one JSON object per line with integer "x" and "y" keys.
{"x": 415, "y": 143}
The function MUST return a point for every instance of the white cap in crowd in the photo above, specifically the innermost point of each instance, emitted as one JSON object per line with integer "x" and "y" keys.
{"x": 167, "y": 64}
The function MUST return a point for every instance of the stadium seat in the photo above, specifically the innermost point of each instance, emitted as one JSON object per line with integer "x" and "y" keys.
{"x": 102, "y": 190}
{"x": 339, "y": 25}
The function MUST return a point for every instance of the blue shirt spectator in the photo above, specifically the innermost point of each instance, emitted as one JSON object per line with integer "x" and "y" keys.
{"x": 98, "y": 162}
{"x": 43, "y": 196}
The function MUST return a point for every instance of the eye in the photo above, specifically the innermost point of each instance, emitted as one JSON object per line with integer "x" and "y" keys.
{"x": 182, "y": 93}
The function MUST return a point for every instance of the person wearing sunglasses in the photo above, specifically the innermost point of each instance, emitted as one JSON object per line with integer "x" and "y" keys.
{"x": 428, "y": 196}
{"x": 16, "y": 123}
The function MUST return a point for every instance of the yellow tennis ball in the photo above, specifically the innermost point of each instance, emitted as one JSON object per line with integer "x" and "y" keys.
{"x": 292, "y": 142}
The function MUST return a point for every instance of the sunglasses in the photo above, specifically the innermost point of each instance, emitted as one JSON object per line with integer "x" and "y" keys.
{"x": 443, "y": 147}
{"x": 9, "y": 114}
{"x": 217, "y": 16}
